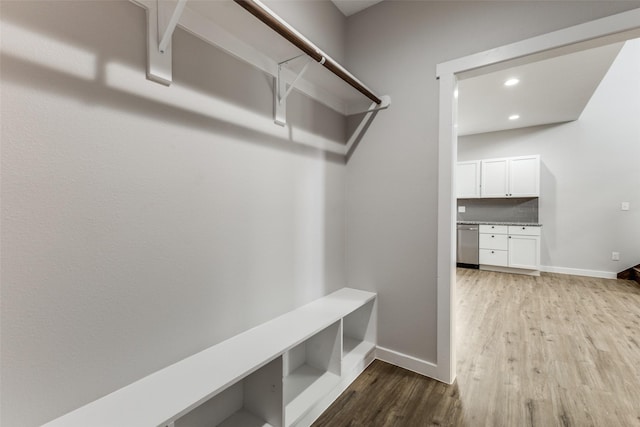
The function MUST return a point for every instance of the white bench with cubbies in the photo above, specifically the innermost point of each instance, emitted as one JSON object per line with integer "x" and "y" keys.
{"x": 282, "y": 373}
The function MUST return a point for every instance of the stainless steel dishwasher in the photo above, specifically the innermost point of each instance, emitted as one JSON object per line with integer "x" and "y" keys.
{"x": 467, "y": 250}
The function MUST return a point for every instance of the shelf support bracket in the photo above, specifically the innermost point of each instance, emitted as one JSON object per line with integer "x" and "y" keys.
{"x": 162, "y": 19}
{"x": 169, "y": 12}
{"x": 281, "y": 92}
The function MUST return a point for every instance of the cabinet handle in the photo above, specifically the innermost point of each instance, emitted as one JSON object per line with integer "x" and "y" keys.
{"x": 493, "y": 237}
{"x": 524, "y": 228}
{"x": 492, "y": 252}
{"x": 509, "y": 236}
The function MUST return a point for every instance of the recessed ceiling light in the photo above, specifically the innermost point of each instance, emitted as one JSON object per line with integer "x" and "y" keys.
{"x": 514, "y": 117}
{"x": 512, "y": 82}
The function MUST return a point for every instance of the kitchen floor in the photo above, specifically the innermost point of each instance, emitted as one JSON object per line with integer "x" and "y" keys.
{"x": 554, "y": 350}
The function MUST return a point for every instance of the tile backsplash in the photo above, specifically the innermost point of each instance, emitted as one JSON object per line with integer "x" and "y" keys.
{"x": 499, "y": 210}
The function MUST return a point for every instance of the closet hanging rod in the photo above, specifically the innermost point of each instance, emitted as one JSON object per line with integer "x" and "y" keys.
{"x": 263, "y": 13}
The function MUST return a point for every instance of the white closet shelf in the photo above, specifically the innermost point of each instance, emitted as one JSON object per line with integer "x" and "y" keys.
{"x": 166, "y": 395}
{"x": 226, "y": 25}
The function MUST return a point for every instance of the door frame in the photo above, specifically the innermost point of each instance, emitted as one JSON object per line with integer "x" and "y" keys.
{"x": 611, "y": 29}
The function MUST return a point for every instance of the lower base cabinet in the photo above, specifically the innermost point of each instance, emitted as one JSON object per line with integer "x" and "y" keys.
{"x": 494, "y": 257}
{"x": 524, "y": 252}
{"x": 510, "y": 246}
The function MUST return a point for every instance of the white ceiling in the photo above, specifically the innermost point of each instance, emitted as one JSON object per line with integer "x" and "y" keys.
{"x": 349, "y": 7}
{"x": 553, "y": 90}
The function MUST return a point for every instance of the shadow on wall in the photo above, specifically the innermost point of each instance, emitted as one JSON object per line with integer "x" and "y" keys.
{"x": 212, "y": 90}
{"x": 119, "y": 246}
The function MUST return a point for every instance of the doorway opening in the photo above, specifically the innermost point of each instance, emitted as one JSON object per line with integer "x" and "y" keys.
{"x": 593, "y": 34}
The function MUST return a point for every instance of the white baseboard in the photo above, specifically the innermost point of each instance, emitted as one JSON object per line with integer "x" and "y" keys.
{"x": 578, "y": 272}
{"x": 410, "y": 363}
{"x": 509, "y": 270}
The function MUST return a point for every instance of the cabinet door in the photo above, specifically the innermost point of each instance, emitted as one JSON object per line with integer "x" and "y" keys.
{"x": 468, "y": 179}
{"x": 524, "y": 176}
{"x": 524, "y": 252}
{"x": 494, "y": 178}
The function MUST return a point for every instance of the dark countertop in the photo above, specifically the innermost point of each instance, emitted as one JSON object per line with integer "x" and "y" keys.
{"x": 525, "y": 224}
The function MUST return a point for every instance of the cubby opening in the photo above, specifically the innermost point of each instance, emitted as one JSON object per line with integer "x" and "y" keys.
{"x": 255, "y": 401}
{"x": 311, "y": 369}
{"x": 359, "y": 336}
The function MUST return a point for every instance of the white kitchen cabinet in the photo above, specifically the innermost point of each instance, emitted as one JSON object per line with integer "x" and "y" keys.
{"x": 494, "y": 257}
{"x": 493, "y": 228}
{"x": 494, "y": 241}
{"x": 511, "y": 177}
{"x": 524, "y": 252}
{"x": 524, "y": 176}
{"x": 509, "y": 247}
{"x": 495, "y": 174}
{"x": 524, "y": 247}
{"x": 468, "y": 179}
{"x": 524, "y": 230}
{"x": 493, "y": 244}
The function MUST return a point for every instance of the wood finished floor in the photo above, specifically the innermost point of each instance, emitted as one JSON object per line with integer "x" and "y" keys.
{"x": 546, "y": 351}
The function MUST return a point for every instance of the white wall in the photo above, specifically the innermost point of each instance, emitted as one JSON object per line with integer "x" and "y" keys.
{"x": 141, "y": 224}
{"x": 392, "y": 176}
{"x": 589, "y": 167}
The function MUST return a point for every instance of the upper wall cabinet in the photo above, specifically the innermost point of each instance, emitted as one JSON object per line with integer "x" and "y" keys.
{"x": 511, "y": 177}
{"x": 468, "y": 179}
{"x": 499, "y": 178}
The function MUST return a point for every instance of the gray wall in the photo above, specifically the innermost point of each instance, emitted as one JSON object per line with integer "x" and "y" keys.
{"x": 392, "y": 176}
{"x": 141, "y": 224}
{"x": 588, "y": 167}
{"x": 319, "y": 21}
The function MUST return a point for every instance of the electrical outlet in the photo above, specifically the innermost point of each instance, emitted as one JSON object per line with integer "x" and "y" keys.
{"x": 462, "y": 209}
{"x": 615, "y": 256}
{"x": 624, "y": 206}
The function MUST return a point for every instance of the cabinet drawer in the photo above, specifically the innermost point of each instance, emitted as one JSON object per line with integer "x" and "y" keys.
{"x": 493, "y": 257}
{"x": 494, "y": 241}
{"x": 523, "y": 230}
{"x": 494, "y": 229}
